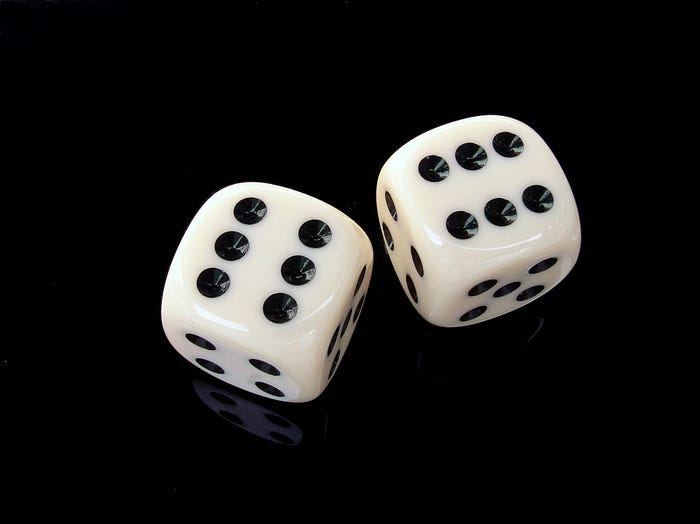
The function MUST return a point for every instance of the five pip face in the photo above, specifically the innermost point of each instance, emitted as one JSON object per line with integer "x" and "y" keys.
{"x": 267, "y": 284}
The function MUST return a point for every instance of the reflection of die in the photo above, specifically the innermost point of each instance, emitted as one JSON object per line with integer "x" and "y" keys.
{"x": 479, "y": 219}
{"x": 265, "y": 289}
{"x": 247, "y": 415}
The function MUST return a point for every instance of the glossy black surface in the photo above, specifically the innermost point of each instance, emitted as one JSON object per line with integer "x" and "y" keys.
{"x": 412, "y": 288}
{"x": 433, "y": 168}
{"x": 250, "y": 210}
{"x": 201, "y": 342}
{"x": 231, "y": 245}
{"x": 538, "y": 198}
{"x": 334, "y": 338}
{"x": 120, "y": 119}
{"x": 473, "y": 313}
{"x": 462, "y": 225}
{"x": 213, "y": 282}
{"x": 390, "y": 206}
{"x": 345, "y": 323}
{"x": 280, "y": 308}
{"x": 482, "y": 287}
{"x": 506, "y": 290}
{"x": 387, "y": 237}
{"x": 529, "y": 293}
{"x": 544, "y": 265}
{"x": 508, "y": 144}
{"x": 471, "y": 156}
{"x": 265, "y": 367}
{"x": 360, "y": 280}
{"x": 298, "y": 270}
{"x": 500, "y": 212}
{"x": 417, "y": 262}
{"x": 211, "y": 366}
{"x": 315, "y": 233}
{"x": 358, "y": 309}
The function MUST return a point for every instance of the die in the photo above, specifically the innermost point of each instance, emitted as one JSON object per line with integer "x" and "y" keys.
{"x": 265, "y": 289}
{"x": 478, "y": 219}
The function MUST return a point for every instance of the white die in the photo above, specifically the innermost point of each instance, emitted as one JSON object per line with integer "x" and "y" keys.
{"x": 479, "y": 219}
{"x": 265, "y": 289}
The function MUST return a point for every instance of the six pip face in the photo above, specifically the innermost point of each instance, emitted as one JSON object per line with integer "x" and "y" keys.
{"x": 265, "y": 290}
{"x": 478, "y": 218}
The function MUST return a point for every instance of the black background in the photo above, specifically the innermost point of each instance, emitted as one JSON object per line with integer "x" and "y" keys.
{"x": 120, "y": 120}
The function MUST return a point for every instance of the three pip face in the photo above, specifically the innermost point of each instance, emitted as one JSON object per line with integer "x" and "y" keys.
{"x": 267, "y": 284}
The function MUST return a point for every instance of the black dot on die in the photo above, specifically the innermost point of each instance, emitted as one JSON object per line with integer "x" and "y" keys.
{"x": 315, "y": 233}
{"x": 544, "y": 265}
{"x": 231, "y": 417}
{"x": 199, "y": 341}
{"x": 360, "y": 279}
{"x": 387, "y": 237}
{"x": 500, "y": 212}
{"x": 298, "y": 270}
{"x": 345, "y": 323}
{"x": 462, "y": 225}
{"x": 529, "y": 293}
{"x": 471, "y": 156}
{"x": 231, "y": 245}
{"x": 334, "y": 338}
{"x": 482, "y": 287}
{"x": 506, "y": 290}
{"x": 213, "y": 282}
{"x": 270, "y": 390}
{"x": 417, "y": 261}
{"x": 277, "y": 420}
{"x": 224, "y": 399}
{"x": 411, "y": 288}
{"x": 264, "y": 367}
{"x": 250, "y": 210}
{"x": 358, "y": 309}
{"x": 433, "y": 168}
{"x": 508, "y": 145}
{"x": 334, "y": 364}
{"x": 390, "y": 206}
{"x": 280, "y": 308}
{"x": 331, "y": 345}
{"x": 209, "y": 365}
{"x": 538, "y": 199}
{"x": 473, "y": 313}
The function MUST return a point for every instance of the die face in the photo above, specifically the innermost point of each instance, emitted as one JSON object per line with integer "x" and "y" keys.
{"x": 482, "y": 201}
{"x": 264, "y": 274}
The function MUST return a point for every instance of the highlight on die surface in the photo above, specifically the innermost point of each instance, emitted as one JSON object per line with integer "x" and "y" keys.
{"x": 265, "y": 290}
{"x": 478, "y": 219}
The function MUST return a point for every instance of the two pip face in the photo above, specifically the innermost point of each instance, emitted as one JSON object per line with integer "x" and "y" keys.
{"x": 267, "y": 284}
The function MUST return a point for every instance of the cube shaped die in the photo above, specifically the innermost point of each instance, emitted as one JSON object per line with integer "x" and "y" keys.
{"x": 478, "y": 218}
{"x": 265, "y": 289}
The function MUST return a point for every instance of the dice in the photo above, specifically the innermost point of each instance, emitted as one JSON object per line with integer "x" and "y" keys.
{"x": 478, "y": 219}
{"x": 265, "y": 289}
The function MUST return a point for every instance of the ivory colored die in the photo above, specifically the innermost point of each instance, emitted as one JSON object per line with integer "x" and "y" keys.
{"x": 479, "y": 219}
{"x": 265, "y": 289}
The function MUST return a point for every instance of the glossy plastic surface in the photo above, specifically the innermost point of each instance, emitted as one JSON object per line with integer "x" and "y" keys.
{"x": 287, "y": 360}
{"x": 259, "y": 420}
{"x": 501, "y": 247}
